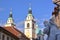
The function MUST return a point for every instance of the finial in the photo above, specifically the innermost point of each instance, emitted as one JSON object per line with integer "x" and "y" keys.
{"x": 30, "y": 10}
{"x": 11, "y": 11}
{"x": 29, "y": 6}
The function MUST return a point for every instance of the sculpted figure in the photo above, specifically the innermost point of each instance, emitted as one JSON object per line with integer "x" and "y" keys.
{"x": 50, "y": 29}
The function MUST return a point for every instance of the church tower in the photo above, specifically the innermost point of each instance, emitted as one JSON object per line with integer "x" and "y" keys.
{"x": 10, "y": 21}
{"x": 30, "y": 25}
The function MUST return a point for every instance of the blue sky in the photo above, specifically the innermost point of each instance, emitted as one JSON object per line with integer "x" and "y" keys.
{"x": 42, "y": 9}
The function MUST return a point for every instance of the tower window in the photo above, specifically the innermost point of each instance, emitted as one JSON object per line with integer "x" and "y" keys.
{"x": 3, "y": 37}
{"x": 28, "y": 25}
{"x": 7, "y": 38}
{"x": 33, "y": 26}
{"x": 11, "y": 38}
{"x": 27, "y": 17}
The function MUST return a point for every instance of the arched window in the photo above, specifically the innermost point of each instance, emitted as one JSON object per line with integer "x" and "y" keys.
{"x": 3, "y": 37}
{"x": 33, "y": 26}
{"x": 28, "y": 25}
{"x": 7, "y": 38}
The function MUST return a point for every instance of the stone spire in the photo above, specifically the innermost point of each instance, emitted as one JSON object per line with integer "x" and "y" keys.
{"x": 30, "y": 23}
{"x": 30, "y": 9}
{"x": 10, "y": 21}
{"x": 10, "y": 13}
{"x": 30, "y": 16}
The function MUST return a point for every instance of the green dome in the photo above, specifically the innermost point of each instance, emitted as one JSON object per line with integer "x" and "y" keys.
{"x": 37, "y": 30}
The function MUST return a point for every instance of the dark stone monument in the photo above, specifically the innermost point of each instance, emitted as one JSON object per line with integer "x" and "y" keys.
{"x": 52, "y": 29}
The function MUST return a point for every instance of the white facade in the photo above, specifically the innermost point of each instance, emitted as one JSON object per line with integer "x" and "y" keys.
{"x": 10, "y": 21}
{"x": 29, "y": 30}
{"x": 5, "y": 36}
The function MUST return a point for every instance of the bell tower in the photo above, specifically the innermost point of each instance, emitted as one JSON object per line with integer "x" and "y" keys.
{"x": 29, "y": 30}
{"x": 10, "y": 21}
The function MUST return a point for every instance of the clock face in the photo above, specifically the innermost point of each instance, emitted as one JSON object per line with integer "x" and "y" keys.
{"x": 28, "y": 33}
